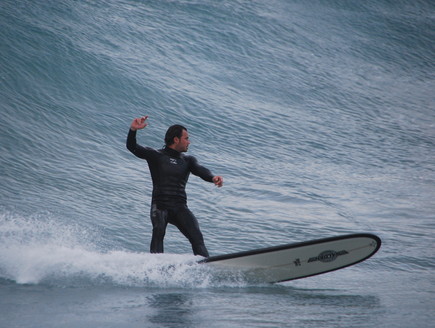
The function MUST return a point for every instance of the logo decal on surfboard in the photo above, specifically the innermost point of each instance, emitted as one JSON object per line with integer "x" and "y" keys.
{"x": 327, "y": 256}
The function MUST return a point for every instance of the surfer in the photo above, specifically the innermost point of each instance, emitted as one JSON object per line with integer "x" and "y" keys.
{"x": 170, "y": 170}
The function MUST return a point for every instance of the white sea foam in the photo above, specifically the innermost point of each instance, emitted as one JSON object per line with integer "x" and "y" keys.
{"x": 42, "y": 251}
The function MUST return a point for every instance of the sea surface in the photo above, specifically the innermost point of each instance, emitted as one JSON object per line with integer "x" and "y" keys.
{"x": 320, "y": 116}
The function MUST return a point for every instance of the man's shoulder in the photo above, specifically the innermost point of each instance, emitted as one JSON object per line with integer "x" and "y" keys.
{"x": 150, "y": 152}
{"x": 188, "y": 158}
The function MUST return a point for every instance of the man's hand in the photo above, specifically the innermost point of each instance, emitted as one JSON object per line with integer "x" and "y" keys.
{"x": 218, "y": 181}
{"x": 139, "y": 123}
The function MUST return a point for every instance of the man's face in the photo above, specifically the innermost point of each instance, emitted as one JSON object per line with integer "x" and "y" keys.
{"x": 182, "y": 143}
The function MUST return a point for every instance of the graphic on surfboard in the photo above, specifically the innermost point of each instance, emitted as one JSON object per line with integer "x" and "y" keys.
{"x": 299, "y": 260}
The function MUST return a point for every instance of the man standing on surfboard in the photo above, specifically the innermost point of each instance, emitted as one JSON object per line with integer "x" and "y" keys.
{"x": 170, "y": 170}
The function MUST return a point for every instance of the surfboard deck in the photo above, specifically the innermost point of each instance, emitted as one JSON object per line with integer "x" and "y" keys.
{"x": 299, "y": 260}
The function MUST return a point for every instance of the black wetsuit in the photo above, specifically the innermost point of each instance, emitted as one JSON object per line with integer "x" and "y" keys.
{"x": 170, "y": 171}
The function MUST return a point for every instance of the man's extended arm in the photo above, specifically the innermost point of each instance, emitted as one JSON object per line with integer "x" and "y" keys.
{"x": 205, "y": 173}
{"x": 138, "y": 150}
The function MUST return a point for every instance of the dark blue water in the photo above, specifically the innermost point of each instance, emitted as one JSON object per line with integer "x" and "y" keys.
{"x": 320, "y": 116}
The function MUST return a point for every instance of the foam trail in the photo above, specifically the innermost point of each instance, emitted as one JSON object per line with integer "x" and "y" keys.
{"x": 42, "y": 251}
{"x": 51, "y": 264}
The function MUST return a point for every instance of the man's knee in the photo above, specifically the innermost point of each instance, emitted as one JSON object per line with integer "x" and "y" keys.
{"x": 159, "y": 219}
{"x": 159, "y": 231}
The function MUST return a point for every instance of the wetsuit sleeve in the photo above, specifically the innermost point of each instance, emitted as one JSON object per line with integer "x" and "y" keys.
{"x": 200, "y": 170}
{"x": 138, "y": 150}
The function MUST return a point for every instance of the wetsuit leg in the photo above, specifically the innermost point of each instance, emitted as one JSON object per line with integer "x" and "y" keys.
{"x": 186, "y": 222}
{"x": 159, "y": 219}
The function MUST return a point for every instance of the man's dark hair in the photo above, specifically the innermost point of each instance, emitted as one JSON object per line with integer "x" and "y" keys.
{"x": 173, "y": 131}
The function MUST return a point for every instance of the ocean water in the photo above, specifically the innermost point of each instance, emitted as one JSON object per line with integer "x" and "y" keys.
{"x": 319, "y": 115}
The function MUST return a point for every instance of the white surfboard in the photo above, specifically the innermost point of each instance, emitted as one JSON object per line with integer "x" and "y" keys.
{"x": 299, "y": 260}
